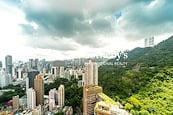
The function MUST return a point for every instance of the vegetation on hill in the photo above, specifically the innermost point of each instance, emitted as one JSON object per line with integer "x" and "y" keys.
{"x": 158, "y": 56}
{"x": 156, "y": 98}
{"x": 144, "y": 86}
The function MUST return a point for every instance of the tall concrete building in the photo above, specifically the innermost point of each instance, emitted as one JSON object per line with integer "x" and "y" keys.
{"x": 149, "y": 42}
{"x": 31, "y": 98}
{"x": 90, "y": 88}
{"x": 52, "y": 97}
{"x": 14, "y": 71}
{"x": 30, "y": 63}
{"x": 27, "y": 83}
{"x": 0, "y": 64}
{"x": 91, "y": 73}
{"x": 90, "y": 98}
{"x": 61, "y": 95}
{"x": 31, "y": 76}
{"x": 61, "y": 71}
{"x": 19, "y": 73}
{"x": 54, "y": 70}
{"x": 8, "y": 64}
{"x": 16, "y": 102}
{"x": 34, "y": 64}
{"x": 5, "y": 78}
{"x": 39, "y": 89}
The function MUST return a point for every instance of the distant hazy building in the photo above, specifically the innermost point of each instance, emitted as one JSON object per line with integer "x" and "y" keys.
{"x": 19, "y": 73}
{"x": 16, "y": 102}
{"x": 67, "y": 75}
{"x": 0, "y": 64}
{"x": 30, "y": 63}
{"x": 91, "y": 73}
{"x": 39, "y": 89}
{"x": 61, "y": 95}
{"x": 33, "y": 64}
{"x": 27, "y": 83}
{"x": 8, "y": 64}
{"x": 31, "y": 98}
{"x": 14, "y": 74}
{"x": 149, "y": 42}
{"x": 54, "y": 71}
{"x": 31, "y": 76}
{"x": 61, "y": 71}
{"x": 4, "y": 78}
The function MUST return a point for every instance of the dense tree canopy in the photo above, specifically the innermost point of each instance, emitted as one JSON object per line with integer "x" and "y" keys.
{"x": 18, "y": 90}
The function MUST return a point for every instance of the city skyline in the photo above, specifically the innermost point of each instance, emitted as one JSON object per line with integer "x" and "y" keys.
{"x": 70, "y": 29}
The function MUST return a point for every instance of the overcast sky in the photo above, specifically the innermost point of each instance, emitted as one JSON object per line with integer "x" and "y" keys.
{"x": 62, "y": 29}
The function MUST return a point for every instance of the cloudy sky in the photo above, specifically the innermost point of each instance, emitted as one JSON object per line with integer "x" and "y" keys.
{"x": 63, "y": 29}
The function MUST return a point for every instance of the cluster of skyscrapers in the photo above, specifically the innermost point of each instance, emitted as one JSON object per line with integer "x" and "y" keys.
{"x": 36, "y": 73}
{"x": 35, "y": 96}
{"x": 56, "y": 97}
{"x": 19, "y": 71}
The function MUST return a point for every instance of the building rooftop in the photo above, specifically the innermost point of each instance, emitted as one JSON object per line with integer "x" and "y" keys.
{"x": 107, "y": 99}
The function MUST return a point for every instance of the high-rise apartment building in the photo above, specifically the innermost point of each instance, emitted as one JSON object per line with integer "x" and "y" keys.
{"x": 31, "y": 98}
{"x": 0, "y": 64}
{"x": 14, "y": 71}
{"x": 54, "y": 70}
{"x": 27, "y": 83}
{"x": 90, "y": 88}
{"x": 33, "y": 64}
{"x": 91, "y": 73}
{"x": 31, "y": 76}
{"x": 51, "y": 104}
{"x": 149, "y": 42}
{"x": 61, "y": 95}
{"x": 16, "y": 102}
{"x": 61, "y": 71}
{"x": 39, "y": 89}
{"x": 19, "y": 73}
{"x": 4, "y": 78}
{"x": 8, "y": 64}
{"x": 53, "y": 95}
{"x": 90, "y": 97}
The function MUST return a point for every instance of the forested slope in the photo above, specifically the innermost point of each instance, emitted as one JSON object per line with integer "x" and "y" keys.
{"x": 146, "y": 79}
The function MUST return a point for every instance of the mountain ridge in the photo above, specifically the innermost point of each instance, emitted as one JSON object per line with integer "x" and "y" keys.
{"x": 145, "y": 67}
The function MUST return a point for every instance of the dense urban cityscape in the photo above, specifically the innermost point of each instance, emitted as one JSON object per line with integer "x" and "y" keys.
{"x": 32, "y": 75}
{"x": 85, "y": 57}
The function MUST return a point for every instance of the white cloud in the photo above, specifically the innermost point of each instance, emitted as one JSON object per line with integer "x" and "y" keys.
{"x": 93, "y": 32}
{"x": 11, "y": 38}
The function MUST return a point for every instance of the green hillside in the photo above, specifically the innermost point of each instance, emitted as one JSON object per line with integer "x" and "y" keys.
{"x": 142, "y": 85}
{"x": 160, "y": 55}
{"x": 156, "y": 97}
